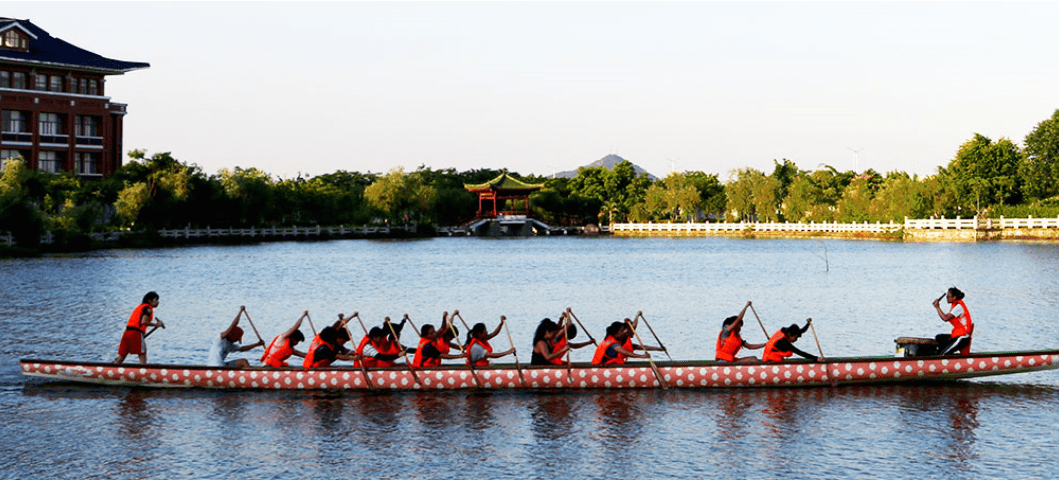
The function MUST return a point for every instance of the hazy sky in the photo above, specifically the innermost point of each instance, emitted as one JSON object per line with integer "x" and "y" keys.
{"x": 535, "y": 87}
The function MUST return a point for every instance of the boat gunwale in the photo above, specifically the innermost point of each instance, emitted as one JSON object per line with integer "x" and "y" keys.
{"x": 573, "y": 366}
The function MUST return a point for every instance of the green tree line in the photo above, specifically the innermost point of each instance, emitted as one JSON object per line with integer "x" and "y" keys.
{"x": 985, "y": 177}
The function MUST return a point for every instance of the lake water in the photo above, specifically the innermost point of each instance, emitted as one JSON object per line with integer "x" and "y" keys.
{"x": 861, "y": 295}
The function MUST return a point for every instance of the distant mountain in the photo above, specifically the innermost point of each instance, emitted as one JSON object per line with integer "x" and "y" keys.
{"x": 609, "y": 162}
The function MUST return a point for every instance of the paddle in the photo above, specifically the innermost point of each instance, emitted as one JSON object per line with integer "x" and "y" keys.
{"x": 363, "y": 368}
{"x": 467, "y": 352}
{"x": 149, "y": 332}
{"x": 569, "y": 374}
{"x": 518, "y": 368}
{"x": 397, "y": 338}
{"x": 758, "y": 320}
{"x": 311, "y": 322}
{"x": 658, "y": 375}
{"x": 583, "y": 329}
{"x": 829, "y": 376}
{"x": 243, "y": 309}
{"x": 640, "y": 314}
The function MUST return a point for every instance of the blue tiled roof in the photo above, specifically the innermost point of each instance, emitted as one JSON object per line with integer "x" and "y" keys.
{"x": 47, "y": 50}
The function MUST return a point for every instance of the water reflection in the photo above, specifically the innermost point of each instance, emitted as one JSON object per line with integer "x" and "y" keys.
{"x": 951, "y": 411}
{"x": 551, "y": 416}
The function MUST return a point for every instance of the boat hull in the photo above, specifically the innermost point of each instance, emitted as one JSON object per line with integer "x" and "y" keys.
{"x": 693, "y": 375}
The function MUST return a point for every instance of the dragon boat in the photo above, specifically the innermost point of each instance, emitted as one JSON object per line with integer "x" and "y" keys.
{"x": 642, "y": 375}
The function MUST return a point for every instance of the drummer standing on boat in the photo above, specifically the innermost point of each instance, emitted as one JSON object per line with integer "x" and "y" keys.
{"x": 133, "y": 340}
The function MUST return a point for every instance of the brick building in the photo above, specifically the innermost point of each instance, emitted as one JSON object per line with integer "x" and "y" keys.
{"x": 56, "y": 114}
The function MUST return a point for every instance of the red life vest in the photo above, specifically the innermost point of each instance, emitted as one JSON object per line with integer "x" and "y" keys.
{"x": 600, "y": 358}
{"x": 309, "y": 362}
{"x": 961, "y": 325}
{"x": 419, "y": 361}
{"x": 277, "y": 357}
{"x": 137, "y": 315}
{"x": 558, "y": 345}
{"x": 484, "y": 362}
{"x": 442, "y": 346}
{"x": 771, "y": 354}
{"x": 728, "y": 347}
{"x": 360, "y": 353}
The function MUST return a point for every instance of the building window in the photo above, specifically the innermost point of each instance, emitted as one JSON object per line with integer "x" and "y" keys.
{"x": 86, "y": 126}
{"x": 15, "y": 121}
{"x": 13, "y": 40}
{"x": 51, "y": 124}
{"x": 41, "y": 83}
{"x": 48, "y": 161}
{"x": 5, "y": 79}
{"x": 82, "y": 86}
{"x": 8, "y": 155}
{"x": 55, "y": 83}
{"x": 87, "y": 163}
{"x": 18, "y": 80}
{"x": 93, "y": 87}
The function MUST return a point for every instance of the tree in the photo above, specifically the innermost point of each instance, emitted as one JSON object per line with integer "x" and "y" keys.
{"x": 1039, "y": 170}
{"x": 983, "y": 173}
{"x": 399, "y": 196}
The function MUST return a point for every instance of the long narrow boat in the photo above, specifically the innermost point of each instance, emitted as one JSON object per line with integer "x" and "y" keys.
{"x": 693, "y": 375}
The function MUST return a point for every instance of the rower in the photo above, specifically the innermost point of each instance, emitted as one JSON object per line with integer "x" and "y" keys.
{"x": 428, "y": 354}
{"x": 282, "y": 347}
{"x": 617, "y": 346}
{"x": 545, "y": 350}
{"x": 478, "y": 349}
{"x": 227, "y": 343}
{"x": 781, "y": 344}
{"x": 729, "y": 341}
{"x": 133, "y": 340}
{"x": 326, "y": 347}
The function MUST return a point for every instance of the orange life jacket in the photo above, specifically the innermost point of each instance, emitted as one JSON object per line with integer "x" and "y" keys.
{"x": 728, "y": 347}
{"x": 600, "y": 358}
{"x": 771, "y": 354}
{"x": 442, "y": 346}
{"x": 360, "y": 353}
{"x": 277, "y": 357}
{"x": 484, "y": 362}
{"x": 309, "y": 363}
{"x": 137, "y": 314}
{"x": 558, "y": 345}
{"x": 962, "y": 325}
{"x": 419, "y": 361}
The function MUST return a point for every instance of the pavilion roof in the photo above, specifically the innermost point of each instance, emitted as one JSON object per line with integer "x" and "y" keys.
{"x": 504, "y": 182}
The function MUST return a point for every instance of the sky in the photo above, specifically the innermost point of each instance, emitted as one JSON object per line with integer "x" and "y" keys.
{"x": 306, "y": 88}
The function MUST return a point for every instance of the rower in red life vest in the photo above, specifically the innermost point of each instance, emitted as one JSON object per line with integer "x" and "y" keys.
{"x": 478, "y": 349}
{"x": 372, "y": 347}
{"x": 546, "y": 350}
{"x": 428, "y": 354}
{"x": 282, "y": 347}
{"x": 327, "y": 347}
{"x": 781, "y": 344}
{"x": 617, "y": 346}
{"x": 729, "y": 341}
{"x": 551, "y": 341}
{"x": 959, "y": 340}
{"x": 446, "y": 338}
{"x": 133, "y": 339}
